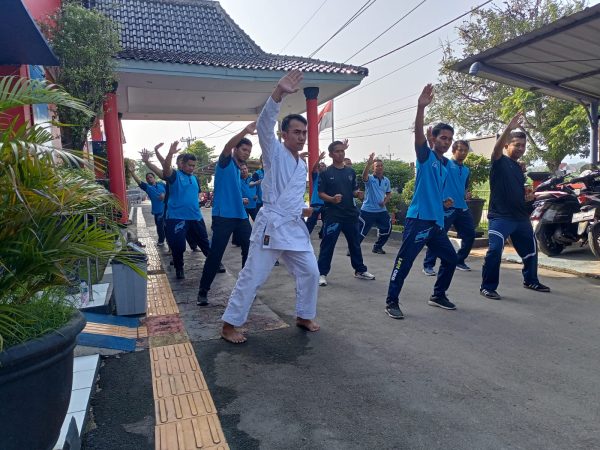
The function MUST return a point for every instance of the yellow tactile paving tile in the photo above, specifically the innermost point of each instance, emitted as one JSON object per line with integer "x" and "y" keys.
{"x": 154, "y": 262}
{"x": 111, "y": 330}
{"x": 160, "y": 298}
{"x": 179, "y": 407}
{"x": 142, "y": 332}
{"x": 198, "y": 433}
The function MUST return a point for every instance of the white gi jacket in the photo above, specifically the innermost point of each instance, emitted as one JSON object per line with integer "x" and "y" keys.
{"x": 279, "y": 224}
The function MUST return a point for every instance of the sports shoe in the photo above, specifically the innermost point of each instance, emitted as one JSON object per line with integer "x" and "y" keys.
{"x": 179, "y": 274}
{"x": 322, "y": 280}
{"x": 378, "y": 250}
{"x": 394, "y": 311}
{"x": 429, "y": 272}
{"x": 463, "y": 267}
{"x": 160, "y": 244}
{"x": 221, "y": 268}
{"x": 276, "y": 263}
{"x": 536, "y": 287}
{"x": 202, "y": 299}
{"x": 364, "y": 275}
{"x": 488, "y": 293}
{"x": 348, "y": 253}
{"x": 441, "y": 301}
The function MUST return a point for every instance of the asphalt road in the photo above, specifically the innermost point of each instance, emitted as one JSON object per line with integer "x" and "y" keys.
{"x": 519, "y": 373}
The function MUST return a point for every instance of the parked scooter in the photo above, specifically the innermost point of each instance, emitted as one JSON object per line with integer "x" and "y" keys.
{"x": 565, "y": 213}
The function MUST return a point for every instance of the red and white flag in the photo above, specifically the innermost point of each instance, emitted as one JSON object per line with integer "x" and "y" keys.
{"x": 326, "y": 116}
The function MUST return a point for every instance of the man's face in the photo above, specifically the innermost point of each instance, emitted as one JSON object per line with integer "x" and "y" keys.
{"x": 337, "y": 154}
{"x": 378, "y": 169}
{"x": 150, "y": 178}
{"x": 516, "y": 148}
{"x": 443, "y": 141}
{"x": 322, "y": 166}
{"x": 188, "y": 166}
{"x": 242, "y": 153}
{"x": 347, "y": 162}
{"x": 295, "y": 136}
{"x": 460, "y": 152}
{"x": 244, "y": 171}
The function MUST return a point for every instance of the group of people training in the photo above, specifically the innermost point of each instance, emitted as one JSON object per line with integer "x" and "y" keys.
{"x": 281, "y": 233}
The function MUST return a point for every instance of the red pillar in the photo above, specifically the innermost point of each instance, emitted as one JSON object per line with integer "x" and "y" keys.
{"x": 114, "y": 152}
{"x": 312, "y": 115}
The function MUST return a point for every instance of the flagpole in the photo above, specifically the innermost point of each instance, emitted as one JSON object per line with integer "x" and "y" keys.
{"x": 332, "y": 123}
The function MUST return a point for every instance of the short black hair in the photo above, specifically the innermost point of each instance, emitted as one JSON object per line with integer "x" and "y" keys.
{"x": 435, "y": 131}
{"x": 150, "y": 173}
{"x": 378, "y": 160}
{"x": 188, "y": 157}
{"x": 179, "y": 157}
{"x": 461, "y": 142}
{"x": 517, "y": 135}
{"x": 244, "y": 141}
{"x": 242, "y": 163}
{"x": 333, "y": 144}
{"x": 285, "y": 123}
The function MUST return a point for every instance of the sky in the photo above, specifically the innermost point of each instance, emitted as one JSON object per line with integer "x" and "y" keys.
{"x": 273, "y": 24}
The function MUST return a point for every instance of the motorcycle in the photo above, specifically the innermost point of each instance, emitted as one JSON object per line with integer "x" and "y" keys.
{"x": 565, "y": 213}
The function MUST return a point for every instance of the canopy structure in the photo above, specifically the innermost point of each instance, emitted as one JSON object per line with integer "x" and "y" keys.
{"x": 21, "y": 41}
{"x": 188, "y": 60}
{"x": 561, "y": 59}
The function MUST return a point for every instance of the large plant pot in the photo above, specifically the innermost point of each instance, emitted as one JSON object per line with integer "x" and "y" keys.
{"x": 35, "y": 388}
{"x": 476, "y": 207}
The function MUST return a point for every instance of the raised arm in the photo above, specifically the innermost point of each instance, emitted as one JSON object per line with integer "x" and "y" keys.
{"x": 157, "y": 153}
{"x": 315, "y": 167}
{"x": 367, "y": 169}
{"x": 265, "y": 124}
{"x": 167, "y": 169}
{"x": 514, "y": 123}
{"x": 248, "y": 129}
{"x": 153, "y": 167}
{"x": 131, "y": 170}
{"x": 425, "y": 99}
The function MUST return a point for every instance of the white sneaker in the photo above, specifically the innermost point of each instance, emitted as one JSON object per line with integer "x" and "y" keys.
{"x": 364, "y": 275}
{"x": 322, "y": 280}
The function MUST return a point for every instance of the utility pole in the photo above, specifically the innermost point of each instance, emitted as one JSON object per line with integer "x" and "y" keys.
{"x": 190, "y": 139}
{"x": 389, "y": 154}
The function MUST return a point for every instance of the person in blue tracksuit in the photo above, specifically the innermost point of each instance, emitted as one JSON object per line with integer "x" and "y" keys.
{"x": 459, "y": 214}
{"x": 156, "y": 193}
{"x": 378, "y": 191}
{"x": 229, "y": 214}
{"x": 257, "y": 178}
{"x": 508, "y": 213}
{"x": 425, "y": 216}
{"x": 316, "y": 203}
{"x": 183, "y": 214}
{"x": 249, "y": 188}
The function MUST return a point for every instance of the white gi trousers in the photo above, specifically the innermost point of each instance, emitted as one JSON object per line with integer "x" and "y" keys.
{"x": 302, "y": 265}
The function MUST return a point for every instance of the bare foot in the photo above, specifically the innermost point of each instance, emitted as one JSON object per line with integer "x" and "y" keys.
{"x": 230, "y": 334}
{"x": 308, "y": 325}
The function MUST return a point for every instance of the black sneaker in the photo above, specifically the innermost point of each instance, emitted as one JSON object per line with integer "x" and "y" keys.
{"x": 441, "y": 301}
{"x": 394, "y": 311}
{"x": 491, "y": 294}
{"x": 179, "y": 274}
{"x": 536, "y": 287}
{"x": 202, "y": 299}
{"x": 378, "y": 250}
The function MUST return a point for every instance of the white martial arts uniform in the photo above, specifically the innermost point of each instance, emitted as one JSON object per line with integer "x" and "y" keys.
{"x": 279, "y": 231}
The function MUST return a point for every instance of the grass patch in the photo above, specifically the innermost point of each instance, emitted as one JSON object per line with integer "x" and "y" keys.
{"x": 42, "y": 315}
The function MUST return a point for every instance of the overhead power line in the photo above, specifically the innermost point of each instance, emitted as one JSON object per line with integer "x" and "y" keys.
{"x": 216, "y": 131}
{"x": 302, "y": 27}
{"x": 376, "y": 107}
{"x": 429, "y": 32}
{"x": 360, "y": 11}
{"x": 388, "y": 29}
{"x": 378, "y": 134}
{"x": 377, "y": 117}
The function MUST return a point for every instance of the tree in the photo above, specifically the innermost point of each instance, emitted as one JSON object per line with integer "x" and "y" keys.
{"x": 399, "y": 172}
{"x": 85, "y": 42}
{"x": 555, "y": 128}
{"x": 204, "y": 158}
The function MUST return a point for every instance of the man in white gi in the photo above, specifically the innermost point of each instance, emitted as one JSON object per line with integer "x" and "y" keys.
{"x": 279, "y": 230}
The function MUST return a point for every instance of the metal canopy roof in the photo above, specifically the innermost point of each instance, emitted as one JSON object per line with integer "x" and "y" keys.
{"x": 561, "y": 59}
{"x": 21, "y": 41}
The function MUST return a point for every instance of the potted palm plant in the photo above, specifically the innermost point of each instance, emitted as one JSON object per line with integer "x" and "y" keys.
{"x": 50, "y": 219}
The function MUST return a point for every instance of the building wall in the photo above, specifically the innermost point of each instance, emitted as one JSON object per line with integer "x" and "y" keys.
{"x": 40, "y": 9}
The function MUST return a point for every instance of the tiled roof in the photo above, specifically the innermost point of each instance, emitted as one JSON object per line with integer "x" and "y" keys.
{"x": 197, "y": 32}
